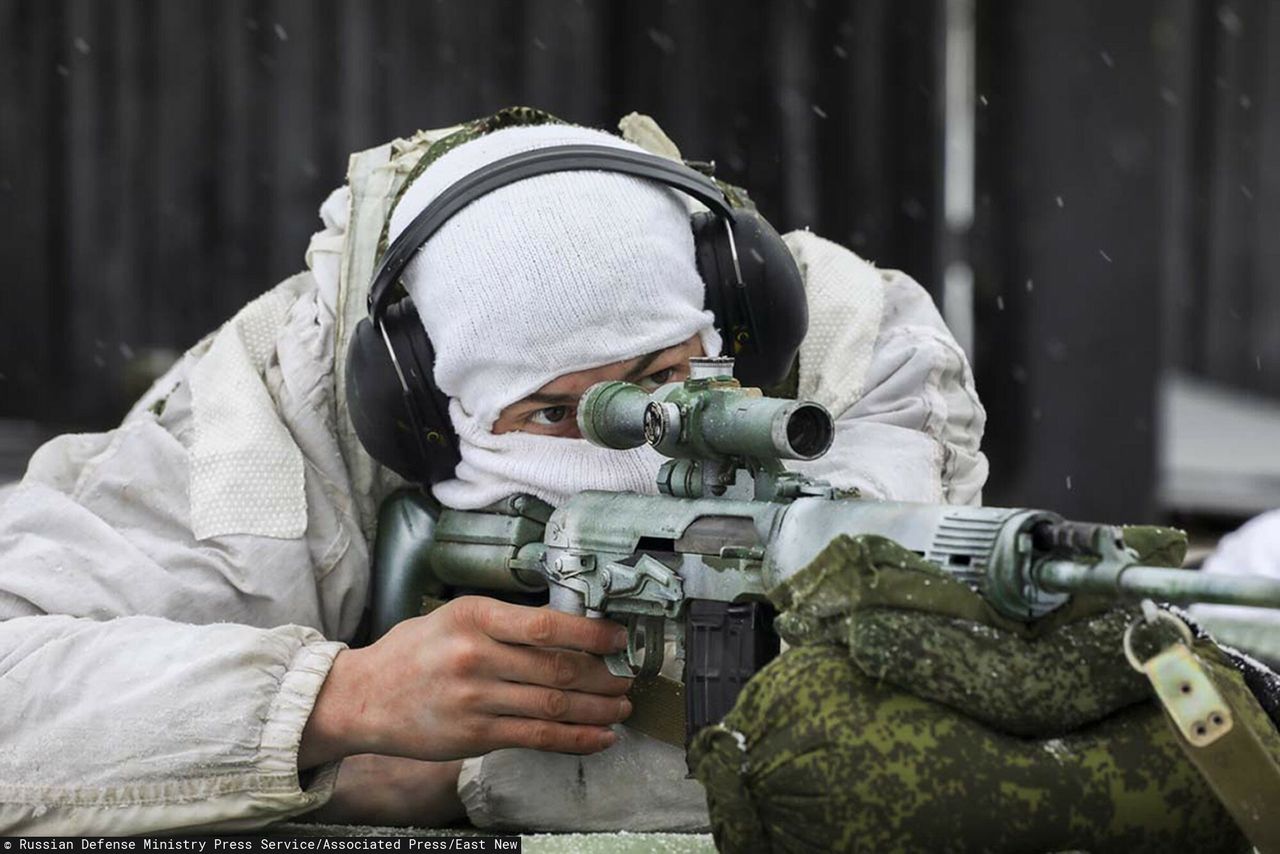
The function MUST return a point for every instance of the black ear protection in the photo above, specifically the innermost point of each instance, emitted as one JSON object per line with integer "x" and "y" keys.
{"x": 753, "y": 287}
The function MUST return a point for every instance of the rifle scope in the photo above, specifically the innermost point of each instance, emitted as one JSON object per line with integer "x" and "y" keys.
{"x": 704, "y": 419}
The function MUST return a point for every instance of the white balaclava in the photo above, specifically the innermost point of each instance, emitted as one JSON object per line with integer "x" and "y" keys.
{"x": 544, "y": 277}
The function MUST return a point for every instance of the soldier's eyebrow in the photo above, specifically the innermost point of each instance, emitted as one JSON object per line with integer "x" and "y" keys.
{"x": 642, "y": 365}
{"x": 552, "y": 399}
{"x": 636, "y": 372}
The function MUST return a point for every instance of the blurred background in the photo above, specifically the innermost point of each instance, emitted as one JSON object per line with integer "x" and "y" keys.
{"x": 1089, "y": 190}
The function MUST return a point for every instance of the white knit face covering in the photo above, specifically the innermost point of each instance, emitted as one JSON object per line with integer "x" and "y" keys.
{"x": 553, "y": 468}
{"x": 541, "y": 278}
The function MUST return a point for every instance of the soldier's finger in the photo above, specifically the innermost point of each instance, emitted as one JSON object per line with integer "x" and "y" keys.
{"x": 556, "y": 668}
{"x": 544, "y": 627}
{"x": 550, "y": 735}
{"x": 552, "y": 704}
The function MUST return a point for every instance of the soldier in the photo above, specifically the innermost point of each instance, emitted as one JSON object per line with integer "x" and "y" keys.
{"x": 179, "y": 594}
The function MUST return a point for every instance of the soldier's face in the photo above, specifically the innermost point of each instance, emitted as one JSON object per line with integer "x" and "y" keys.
{"x": 553, "y": 409}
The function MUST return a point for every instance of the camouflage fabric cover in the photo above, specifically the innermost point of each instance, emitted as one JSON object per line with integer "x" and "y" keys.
{"x": 911, "y": 624}
{"x": 908, "y": 715}
{"x": 817, "y": 756}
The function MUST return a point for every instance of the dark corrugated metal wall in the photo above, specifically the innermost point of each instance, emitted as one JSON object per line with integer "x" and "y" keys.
{"x": 1129, "y": 189}
{"x": 1226, "y": 298}
{"x": 162, "y": 162}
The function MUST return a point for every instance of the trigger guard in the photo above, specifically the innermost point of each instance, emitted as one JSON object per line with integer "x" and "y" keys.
{"x": 624, "y": 663}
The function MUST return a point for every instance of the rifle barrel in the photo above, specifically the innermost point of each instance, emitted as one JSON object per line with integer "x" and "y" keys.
{"x": 1179, "y": 586}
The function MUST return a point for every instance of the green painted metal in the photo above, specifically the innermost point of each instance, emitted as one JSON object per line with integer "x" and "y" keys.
{"x": 402, "y": 574}
{"x": 1133, "y": 581}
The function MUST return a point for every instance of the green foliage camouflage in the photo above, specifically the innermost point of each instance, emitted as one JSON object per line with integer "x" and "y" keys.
{"x": 908, "y": 715}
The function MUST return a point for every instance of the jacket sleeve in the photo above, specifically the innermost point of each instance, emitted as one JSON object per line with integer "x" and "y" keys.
{"x": 153, "y": 680}
{"x": 908, "y": 420}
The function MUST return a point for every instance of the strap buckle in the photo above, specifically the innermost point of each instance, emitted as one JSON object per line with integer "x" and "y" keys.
{"x": 1193, "y": 702}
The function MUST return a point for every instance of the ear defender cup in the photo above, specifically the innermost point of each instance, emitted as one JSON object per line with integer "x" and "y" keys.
{"x": 409, "y": 433}
{"x": 763, "y": 319}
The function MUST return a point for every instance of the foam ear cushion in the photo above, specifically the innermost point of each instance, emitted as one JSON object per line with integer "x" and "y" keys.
{"x": 764, "y": 320}
{"x": 408, "y": 433}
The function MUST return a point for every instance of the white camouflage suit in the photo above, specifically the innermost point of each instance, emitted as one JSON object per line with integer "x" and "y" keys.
{"x": 174, "y": 591}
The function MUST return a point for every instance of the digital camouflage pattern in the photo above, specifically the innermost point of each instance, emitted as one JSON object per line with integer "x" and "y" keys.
{"x": 911, "y": 624}
{"x": 1033, "y": 688}
{"x": 910, "y": 716}
{"x": 816, "y": 756}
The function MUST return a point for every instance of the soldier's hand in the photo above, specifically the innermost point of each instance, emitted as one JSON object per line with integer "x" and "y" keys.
{"x": 473, "y": 676}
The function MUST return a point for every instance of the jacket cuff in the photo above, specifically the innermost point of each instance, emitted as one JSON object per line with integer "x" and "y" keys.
{"x": 282, "y": 732}
{"x": 282, "y": 737}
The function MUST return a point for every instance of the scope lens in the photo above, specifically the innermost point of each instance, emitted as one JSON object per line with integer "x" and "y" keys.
{"x": 810, "y": 431}
{"x": 609, "y": 415}
{"x": 655, "y": 425}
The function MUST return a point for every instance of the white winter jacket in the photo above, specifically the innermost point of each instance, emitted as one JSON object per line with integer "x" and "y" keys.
{"x": 173, "y": 592}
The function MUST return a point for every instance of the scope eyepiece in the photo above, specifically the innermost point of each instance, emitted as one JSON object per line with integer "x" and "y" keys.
{"x": 659, "y": 419}
{"x": 612, "y": 415}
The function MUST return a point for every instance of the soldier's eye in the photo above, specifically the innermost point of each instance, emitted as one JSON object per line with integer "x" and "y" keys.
{"x": 550, "y": 416}
{"x": 658, "y": 378}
